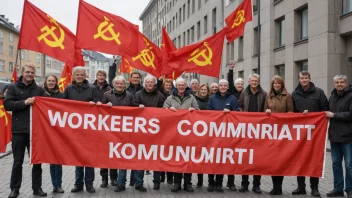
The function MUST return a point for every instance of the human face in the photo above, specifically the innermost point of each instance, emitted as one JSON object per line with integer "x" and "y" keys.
{"x": 223, "y": 87}
{"x": 277, "y": 86}
{"x": 253, "y": 82}
{"x": 340, "y": 85}
{"x": 80, "y": 76}
{"x": 304, "y": 80}
{"x": 181, "y": 87}
{"x": 51, "y": 82}
{"x": 135, "y": 79}
{"x": 149, "y": 85}
{"x": 28, "y": 75}
{"x": 100, "y": 78}
{"x": 195, "y": 86}
{"x": 167, "y": 87}
{"x": 214, "y": 88}
{"x": 203, "y": 91}
{"x": 239, "y": 86}
{"x": 120, "y": 85}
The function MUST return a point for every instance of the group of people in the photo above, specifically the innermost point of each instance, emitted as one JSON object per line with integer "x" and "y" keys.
{"x": 226, "y": 96}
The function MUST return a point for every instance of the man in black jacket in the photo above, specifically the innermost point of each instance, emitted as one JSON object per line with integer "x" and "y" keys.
{"x": 18, "y": 99}
{"x": 308, "y": 98}
{"x": 81, "y": 90}
{"x": 135, "y": 84}
{"x": 340, "y": 135}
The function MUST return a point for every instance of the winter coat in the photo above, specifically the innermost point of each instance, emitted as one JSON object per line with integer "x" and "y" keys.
{"x": 149, "y": 99}
{"x": 314, "y": 100}
{"x": 133, "y": 90}
{"x": 85, "y": 92}
{"x": 340, "y": 129}
{"x": 232, "y": 87}
{"x": 279, "y": 104}
{"x": 186, "y": 102}
{"x": 202, "y": 102}
{"x": 99, "y": 93}
{"x": 56, "y": 93}
{"x": 244, "y": 99}
{"x": 219, "y": 102}
{"x": 118, "y": 99}
{"x": 17, "y": 93}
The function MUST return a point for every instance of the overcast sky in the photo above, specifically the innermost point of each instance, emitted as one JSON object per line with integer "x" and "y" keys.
{"x": 65, "y": 11}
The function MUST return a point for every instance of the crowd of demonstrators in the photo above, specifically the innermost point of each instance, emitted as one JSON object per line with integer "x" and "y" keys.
{"x": 226, "y": 96}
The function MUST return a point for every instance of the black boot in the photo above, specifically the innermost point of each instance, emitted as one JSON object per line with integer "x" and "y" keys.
{"x": 77, "y": 189}
{"x": 188, "y": 188}
{"x": 335, "y": 194}
{"x": 120, "y": 188}
{"x": 218, "y": 188}
{"x": 279, "y": 190}
{"x": 257, "y": 189}
{"x": 156, "y": 186}
{"x": 104, "y": 182}
{"x": 315, "y": 192}
{"x": 243, "y": 189}
{"x": 299, "y": 191}
{"x": 113, "y": 182}
{"x": 14, "y": 194}
{"x": 273, "y": 191}
{"x": 39, "y": 192}
{"x": 176, "y": 187}
{"x": 90, "y": 189}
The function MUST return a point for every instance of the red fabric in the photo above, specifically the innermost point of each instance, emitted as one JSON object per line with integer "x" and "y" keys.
{"x": 79, "y": 143}
{"x": 125, "y": 66}
{"x": 207, "y": 52}
{"x": 5, "y": 127}
{"x": 66, "y": 77}
{"x": 14, "y": 74}
{"x": 32, "y": 38}
{"x": 237, "y": 20}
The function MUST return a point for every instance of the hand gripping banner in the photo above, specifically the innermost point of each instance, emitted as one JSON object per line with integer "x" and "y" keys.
{"x": 75, "y": 133}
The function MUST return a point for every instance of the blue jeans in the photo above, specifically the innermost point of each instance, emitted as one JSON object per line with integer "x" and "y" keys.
{"x": 139, "y": 176}
{"x": 86, "y": 173}
{"x": 340, "y": 151}
{"x": 56, "y": 175}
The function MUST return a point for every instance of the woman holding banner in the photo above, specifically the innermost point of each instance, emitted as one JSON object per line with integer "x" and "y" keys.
{"x": 181, "y": 99}
{"x": 52, "y": 88}
{"x": 278, "y": 100}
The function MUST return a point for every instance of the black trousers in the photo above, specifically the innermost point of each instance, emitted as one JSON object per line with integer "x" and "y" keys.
{"x": 314, "y": 182}
{"x": 19, "y": 144}
{"x": 169, "y": 176}
{"x": 277, "y": 180}
{"x": 256, "y": 180}
{"x": 218, "y": 180}
{"x": 104, "y": 172}
{"x": 230, "y": 180}
{"x": 187, "y": 177}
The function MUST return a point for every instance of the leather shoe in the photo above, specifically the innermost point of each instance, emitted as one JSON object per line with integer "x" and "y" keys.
{"x": 120, "y": 188}
{"x": 170, "y": 181}
{"x": 243, "y": 189}
{"x": 156, "y": 186}
{"x": 14, "y": 194}
{"x": 76, "y": 189}
{"x": 257, "y": 189}
{"x": 218, "y": 188}
{"x": 188, "y": 188}
{"x": 232, "y": 187}
{"x": 113, "y": 182}
{"x": 211, "y": 188}
{"x": 39, "y": 192}
{"x": 273, "y": 191}
{"x": 58, "y": 190}
{"x": 315, "y": 192}
{"x": 176, "y": 188}
{"x": 90, "y": 189}
{"x": 104, "y": 183}
{"x": 141, "y": 188}
{"x": 336, "y": 194}
{"x": 299, "y": 191}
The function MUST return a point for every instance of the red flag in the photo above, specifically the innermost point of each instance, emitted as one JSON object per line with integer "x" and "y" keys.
{"x": 237, "y": 20}
{"x": 167, "y": 46}
{"x": 42, "y": 33}
{"x": 105, "y": 32}
{"x": 5, "y": 127}
{"x": 14, "y": 75}
{"x": 66, "y": 77}
{"x": 203, "y": 57}
{"x": 125, "y": 66}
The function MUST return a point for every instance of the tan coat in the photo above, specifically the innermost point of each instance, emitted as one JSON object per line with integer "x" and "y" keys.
{"x": 279, "y": 104}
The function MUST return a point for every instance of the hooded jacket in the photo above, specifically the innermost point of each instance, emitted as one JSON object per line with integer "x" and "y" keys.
{"x": 219, "y": 102}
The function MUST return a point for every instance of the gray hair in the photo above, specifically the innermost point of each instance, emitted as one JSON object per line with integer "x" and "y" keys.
{"x": 117, "y": 78}
{"x": 254, "y": 76}
{"x": 78, "y": 68}
{"x": 223, "y": 81}
{"x": 194, "y": 81}
{"x": 216, "y": 84}
{"x": 343, "y": 77}
{"x": 238, "y": 80}
{"x": 149, "y": 77}
{"x": 181, "y": 80}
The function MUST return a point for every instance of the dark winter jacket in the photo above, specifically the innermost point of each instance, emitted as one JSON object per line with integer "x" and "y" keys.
{"x": 219, "y": 102}
{"x": 232, "y": 87}
{"x": 56, "y": 93}
{"x": 133, "y": 90}
{"x": 14, "y": 101}
{"x": 244, "y": 99}
{"x": 85, "y": 92}
{"x": 202, "y": 102}
{"x": 340, "y": 129}
{"x": 314, "y": 100}
{"x": 99, "y": 93}
{"x": 149, "y": 99}
{"x": 118, "y": 99}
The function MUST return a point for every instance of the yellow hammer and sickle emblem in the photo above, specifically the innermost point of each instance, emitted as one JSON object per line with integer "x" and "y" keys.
{"x": 197, "y": 53}
{"x": 239, "y": 18}
{"x": 62, "y": 84}
{"x": 3, "y": 114}
{"x": 46, "y": 31}
{"x": 146, "y": 59}
{"x": 108, "y": 27}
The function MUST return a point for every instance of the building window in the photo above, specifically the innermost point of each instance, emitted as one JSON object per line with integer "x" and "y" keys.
{"x": 184, "y": 39}
{"x": 240, "y": 48}
{"x": 347, "y": 6}
{"x": 280, "y": 30}
{"x": 254, "y": 71}
{"x": 173, "y": 23}
{"x": 38, "y": 58}
{"x": 230, "y": 51}
{"x": 205, "y": 24}
{"x": 214, "y": 20}
{"x": 1, "y": 34}
{"x": 280, "y": 70}
{"x": 180, "y": 18}
{"x": 255, "y": 41}
{"x": 11, "y": 50}
{"x": 199, "y": 4}
{"x": 28, "y": 56}
{"x": 188, "y": 37}
{"x": 304, "y": 66}
{"x": 179, "y": 41}
{"x": 48, "y": 64}
{"x": 188, "y": 8}
{"x": 11, "y": 37}
{"x": 184, "y": 12}
{"x": 198, "y": 30}
{"x": 192, "y": 34}
{"x": 304, "y": 24}
{"x": 255, "y": 6}
{"x": 11, "y": 67}
{"x": 1, "y": 48}
{"x": 241, "y": 74}
{"x": 2, "y": 65}
{"x": 193, "y": 6}
{"x": 37, "y": 72}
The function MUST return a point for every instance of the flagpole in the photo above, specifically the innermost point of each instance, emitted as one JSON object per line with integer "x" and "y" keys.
{"x": 259, "y": 34}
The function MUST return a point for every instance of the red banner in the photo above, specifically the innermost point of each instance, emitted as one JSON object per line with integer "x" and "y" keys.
{"x": 5, "y": 127}
{"x": 75, "y": 133}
